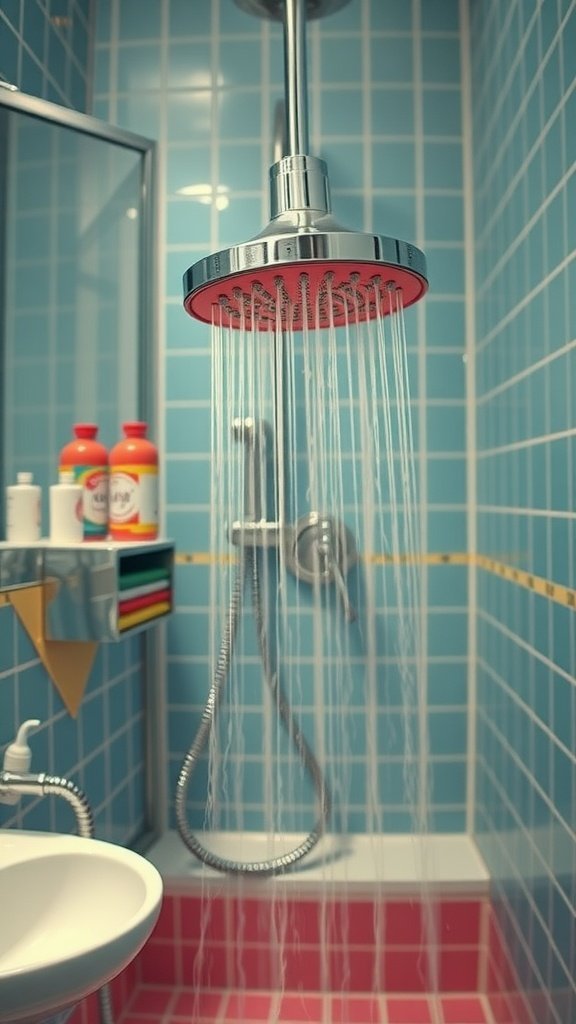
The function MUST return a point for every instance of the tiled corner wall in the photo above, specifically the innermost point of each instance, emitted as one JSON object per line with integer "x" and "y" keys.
{"x": 102, "y": 750}
{"x": 46, "y": 49}
{"x": 523, "y": 89}
{"x": 386, "y": 114}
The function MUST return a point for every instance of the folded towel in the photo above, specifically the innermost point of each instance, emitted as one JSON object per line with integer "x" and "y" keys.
{"x": 153, "y": 611}
{"x": 157, "y": 596}
{"x": 137, "y": 579}
{"x": 146, "y": 588}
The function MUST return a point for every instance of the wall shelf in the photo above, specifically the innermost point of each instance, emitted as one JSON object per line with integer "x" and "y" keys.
{"x": 106, "y": 591}
{"x": 72, "y": 597}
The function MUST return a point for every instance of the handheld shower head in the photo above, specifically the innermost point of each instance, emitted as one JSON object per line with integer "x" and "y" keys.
{"x": 252, "y": 433}
{"x": 303, "y": 269}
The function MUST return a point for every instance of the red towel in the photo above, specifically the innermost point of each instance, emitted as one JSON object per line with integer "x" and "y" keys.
{"x": 133, "y": 605}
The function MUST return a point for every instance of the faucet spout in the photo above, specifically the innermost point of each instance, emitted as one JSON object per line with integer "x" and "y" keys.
{"x": 42, "y": 784}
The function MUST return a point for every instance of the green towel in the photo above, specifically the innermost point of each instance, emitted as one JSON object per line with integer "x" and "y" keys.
{"x": 136, "y": 579}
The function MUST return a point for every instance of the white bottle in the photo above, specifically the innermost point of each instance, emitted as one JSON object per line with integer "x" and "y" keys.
{"x": 66, "y": 515}
{"x": 23, "y": 510}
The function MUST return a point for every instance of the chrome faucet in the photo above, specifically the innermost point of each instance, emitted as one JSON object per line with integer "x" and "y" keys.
{"x": 16, "y": 780}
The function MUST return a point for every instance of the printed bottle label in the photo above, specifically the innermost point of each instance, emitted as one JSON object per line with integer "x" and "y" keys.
{"x": 94, "y": 481}
{"x": 134, "y": 498}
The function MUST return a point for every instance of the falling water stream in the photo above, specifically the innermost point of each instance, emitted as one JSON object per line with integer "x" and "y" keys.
{"x": 335, "y": 409}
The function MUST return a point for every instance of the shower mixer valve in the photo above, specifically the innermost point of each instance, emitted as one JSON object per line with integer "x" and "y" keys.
{"x": 318, "y": 548}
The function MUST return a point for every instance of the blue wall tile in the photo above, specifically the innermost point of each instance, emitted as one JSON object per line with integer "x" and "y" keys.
{"x": 391, "y": 59}
{"x": 392, "y": 111}
{"x": 49, "y": 61}
{"x": 440, "y": 16}
{"x": 138, "y": 21}
{"x": 524, "y": 784}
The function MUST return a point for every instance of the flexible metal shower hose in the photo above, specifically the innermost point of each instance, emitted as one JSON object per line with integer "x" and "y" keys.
{"x": 277, "y": 865}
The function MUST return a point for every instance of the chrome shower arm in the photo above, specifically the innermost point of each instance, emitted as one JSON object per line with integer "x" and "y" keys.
{"x": 279, "y": 134}
{"x": 295, "y": 78}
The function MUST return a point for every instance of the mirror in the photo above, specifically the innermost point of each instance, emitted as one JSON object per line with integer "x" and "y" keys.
{"x": 75, "y": 310}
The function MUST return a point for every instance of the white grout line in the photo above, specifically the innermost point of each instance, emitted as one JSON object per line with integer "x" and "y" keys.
{"x": 546, "y": 513}
{"x": 529, "y": 223}
{"x": 486, "y": 140}
{"x": 536, "y": 82}
{"x": 539, "y": 364}
{"x": 528, "y": 442}
{"x": 496, "y": 52}
{"x": 471, "y": 468}
{"x": 535, "y": 720}
{"x": 512, "y": 313}
{"x": 525, "y": 645}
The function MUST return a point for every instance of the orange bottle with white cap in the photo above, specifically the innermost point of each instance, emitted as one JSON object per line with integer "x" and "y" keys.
{"x": 134, "y": 485}
{"x": 87, "y": 459}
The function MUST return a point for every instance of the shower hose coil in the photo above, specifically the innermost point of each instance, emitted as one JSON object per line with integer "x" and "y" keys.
{"x": 248, "y": 568}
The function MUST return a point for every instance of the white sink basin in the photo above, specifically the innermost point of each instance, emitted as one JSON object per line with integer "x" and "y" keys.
{"x": 74, "y": 912}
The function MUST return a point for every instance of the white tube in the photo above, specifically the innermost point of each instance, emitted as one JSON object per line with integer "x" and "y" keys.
{"x": 66, "y": 523}
{"x": 23, "y": 510}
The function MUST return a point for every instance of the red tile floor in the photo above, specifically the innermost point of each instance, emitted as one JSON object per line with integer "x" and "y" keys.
{"x": 186, "y": 973}
{"x": 156, "y": 1004}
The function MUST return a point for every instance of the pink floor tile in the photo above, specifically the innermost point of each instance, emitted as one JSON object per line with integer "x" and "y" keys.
{"x": 161, "y": 1004}
{"x": 132, "y": 1018}
{"x": 463, "y": 1011}
{"x": 302, "y": 968}
{"x": 408, "y": 1011}
{"x": 503, "y": 1009}
{"x": 351, "y": 970}
{"x": 354, "y": 1010}
{"x": 151, "y": 1001}
{"x": 459, "y": 922}
{"x": 244, "y": 1006}
{"x": 406, "y": 970}
{"x": 459, "y": 970}
{"x": 197, "y": 1005}
{"x": 300, "y": 1006}
{"x": 350, "y": 922}
{"x": 158, "y": 963}
{"x": 403, "y": 923}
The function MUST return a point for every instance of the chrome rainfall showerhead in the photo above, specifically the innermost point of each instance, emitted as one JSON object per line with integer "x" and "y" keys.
{"x": 304, "y": 270}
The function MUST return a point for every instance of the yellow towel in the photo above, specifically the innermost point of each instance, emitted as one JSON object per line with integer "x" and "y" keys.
{"x": 153, "y": 611}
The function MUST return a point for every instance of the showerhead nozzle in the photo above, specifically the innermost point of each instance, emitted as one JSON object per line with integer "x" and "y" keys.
{"x": 307, "y": 294}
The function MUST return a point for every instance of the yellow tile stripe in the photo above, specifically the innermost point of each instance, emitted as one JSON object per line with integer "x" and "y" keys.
{"x": 556, "y": 592}
{"x": 203, "y": 558}
{"x": 435, "y": 558}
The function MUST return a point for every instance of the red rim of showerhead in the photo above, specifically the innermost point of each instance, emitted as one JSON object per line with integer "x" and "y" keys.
{"x": 319, "y": 293}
